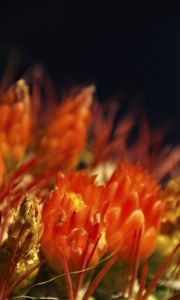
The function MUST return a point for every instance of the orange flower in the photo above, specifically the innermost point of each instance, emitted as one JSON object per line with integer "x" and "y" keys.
{"x": 78, "y": 213}
{"x": 135, "y": 206}
{"x": 67, "y": 132}
{"x": 15, "y": 125}
{"x": 73, "y": 222}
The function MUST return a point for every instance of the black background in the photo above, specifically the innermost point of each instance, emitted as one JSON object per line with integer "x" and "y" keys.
{"x": 135, "y": 48}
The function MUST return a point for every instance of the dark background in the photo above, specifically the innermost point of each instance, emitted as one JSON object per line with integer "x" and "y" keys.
{"x": 134, "y": 48}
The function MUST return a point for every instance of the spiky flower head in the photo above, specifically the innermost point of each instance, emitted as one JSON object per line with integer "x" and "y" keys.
{"x": 73, "y": 222}
{"x": 79, "y": 213}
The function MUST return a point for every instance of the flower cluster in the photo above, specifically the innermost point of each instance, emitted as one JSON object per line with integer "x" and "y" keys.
{"x": 59, "y": 224}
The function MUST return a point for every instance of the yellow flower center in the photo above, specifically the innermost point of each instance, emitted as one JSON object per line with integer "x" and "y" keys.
{"x": 77, "y": 201}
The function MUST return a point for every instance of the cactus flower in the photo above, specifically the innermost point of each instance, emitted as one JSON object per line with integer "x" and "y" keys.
{"x": 73, "y": 222}
{"x": 135, "y": 205}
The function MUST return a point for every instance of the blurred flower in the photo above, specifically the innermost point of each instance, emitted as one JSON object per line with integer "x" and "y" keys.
{"x": 66, "y": 134}
{"x": 15, "y": 126}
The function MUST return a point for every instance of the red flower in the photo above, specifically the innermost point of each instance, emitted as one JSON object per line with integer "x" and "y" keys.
{"x": 73, "y": 222}
{"x": 78, "y": 213}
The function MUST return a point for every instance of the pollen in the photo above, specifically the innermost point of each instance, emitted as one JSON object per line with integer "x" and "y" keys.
{"x": 76, "y": 200}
